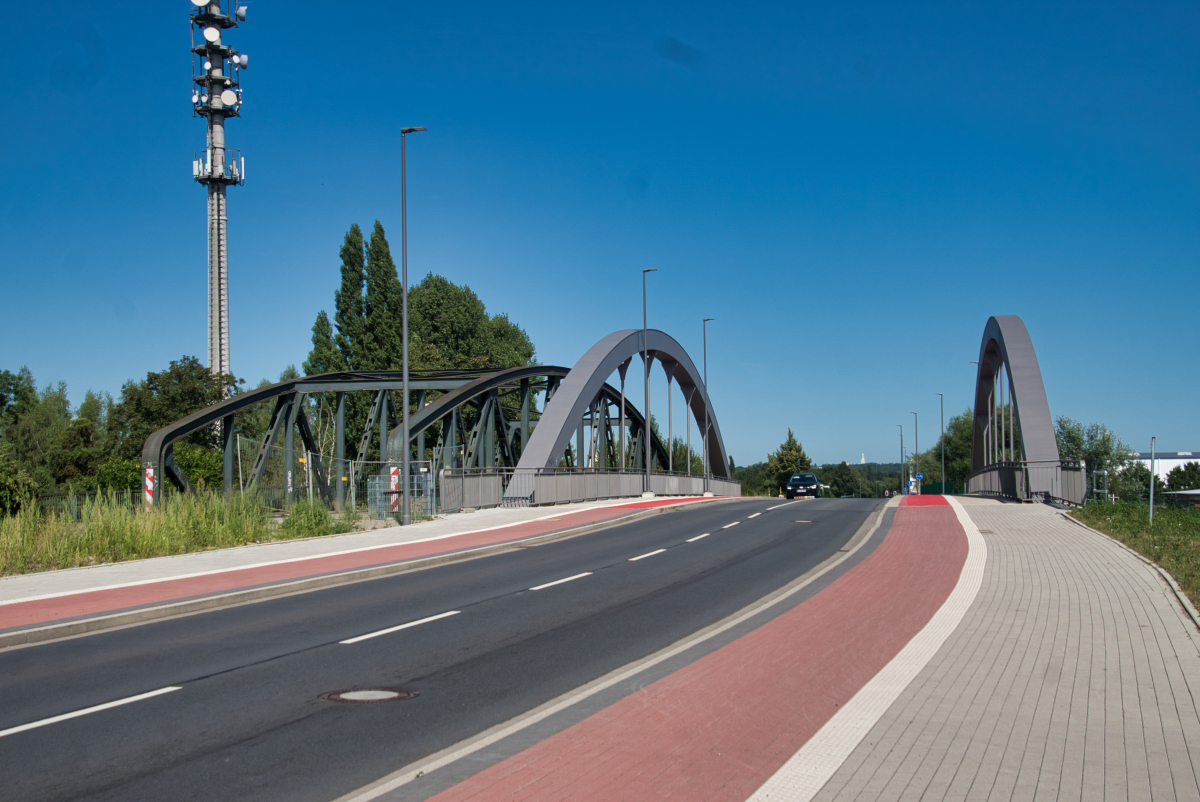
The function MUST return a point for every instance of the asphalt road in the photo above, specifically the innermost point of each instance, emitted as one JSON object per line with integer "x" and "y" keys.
{"x": 245, "y": 720}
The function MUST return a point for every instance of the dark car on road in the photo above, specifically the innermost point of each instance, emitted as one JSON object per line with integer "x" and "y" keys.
{"x": 802, "y": 484}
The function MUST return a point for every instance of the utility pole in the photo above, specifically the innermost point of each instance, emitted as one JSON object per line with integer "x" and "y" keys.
{"x": 901, "y": 425}
{"x": 216, "y": 96}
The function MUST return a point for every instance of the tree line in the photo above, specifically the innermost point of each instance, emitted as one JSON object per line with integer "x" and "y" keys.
{"x": 46, "y": 444}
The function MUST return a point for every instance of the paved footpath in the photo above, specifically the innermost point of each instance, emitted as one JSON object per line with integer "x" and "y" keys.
{"x": 91, "y": 596}
{"x": 1074, "y": 675}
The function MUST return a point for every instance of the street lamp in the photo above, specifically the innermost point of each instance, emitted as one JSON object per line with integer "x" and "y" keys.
{"x": 942, "y": 407}
{"x": 917, "y": 450}
{"x": 406, "y": 512}
{"x": 901, "y": 425}
{"x": 646, "y": 365}
{"x": 704, "y": 326}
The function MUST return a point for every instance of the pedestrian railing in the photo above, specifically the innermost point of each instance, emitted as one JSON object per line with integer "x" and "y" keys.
{"x": 1061, "y": 481}
{"x": 475, "y": 488}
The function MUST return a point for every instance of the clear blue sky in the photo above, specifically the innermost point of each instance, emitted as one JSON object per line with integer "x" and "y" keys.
{"x": 850, "y": 189}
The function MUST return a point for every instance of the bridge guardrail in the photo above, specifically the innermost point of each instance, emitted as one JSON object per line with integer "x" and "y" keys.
{"x": 1062, "y": 481}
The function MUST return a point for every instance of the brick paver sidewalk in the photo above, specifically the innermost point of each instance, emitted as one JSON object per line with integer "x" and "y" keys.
{"x": 1074, "y": 675}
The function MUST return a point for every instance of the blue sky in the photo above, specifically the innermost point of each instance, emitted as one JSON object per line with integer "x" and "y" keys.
{"x": 849, "y": 189}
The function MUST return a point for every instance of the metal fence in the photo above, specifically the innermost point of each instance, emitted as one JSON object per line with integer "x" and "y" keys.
{"x": 475, "y": 488}
{"x": 1062, "y": 481}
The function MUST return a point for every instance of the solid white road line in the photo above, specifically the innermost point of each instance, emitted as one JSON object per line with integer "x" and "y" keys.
{"x": 560, "y": 581}
{"x": 735, "y": 523}
{"x": 755, "y": 515}
{"x": 647, "y": 554}
{"x": 389, "y": 630}
{"x": 809, "y": 769}
{"x": 55, "y": 719}
{"x": 697, "y": 537}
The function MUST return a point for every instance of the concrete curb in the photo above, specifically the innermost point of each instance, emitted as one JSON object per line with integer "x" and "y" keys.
{"x": 1184, "y": 602}
{"x": 87, "y": 626}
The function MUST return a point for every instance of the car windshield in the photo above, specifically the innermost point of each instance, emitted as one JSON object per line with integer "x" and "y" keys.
{"x": 804, "y": 477}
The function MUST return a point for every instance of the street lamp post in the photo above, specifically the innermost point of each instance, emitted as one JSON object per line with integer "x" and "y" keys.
{"x": 704, "y": 327}
{"x": 917, "y": 450}
{"x": 406, "y": 511}
{"x": 646, "y": 375}
{"x": 942, "y": 408}
{"x": 901, "y": 425}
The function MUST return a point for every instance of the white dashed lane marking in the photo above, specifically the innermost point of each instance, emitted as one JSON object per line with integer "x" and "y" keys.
{"x": 735, "y": 523}
{"x": 647, "y": 554}
{"x": 697, "y": 537}
{"x": 390, "y": 630}
{"x": 560, "y": 581}
{"x": 76, "y": 714}
{"x": 755, "y": 515}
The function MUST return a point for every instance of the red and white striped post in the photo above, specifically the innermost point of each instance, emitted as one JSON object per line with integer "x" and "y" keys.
{"x": 149, "y": 488}
{"x": 395, "y": 471}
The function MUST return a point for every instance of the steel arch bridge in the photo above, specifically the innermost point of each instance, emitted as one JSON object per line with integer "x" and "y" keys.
{"x": 481, "y": 420}
{"x": 1014, "y": 449}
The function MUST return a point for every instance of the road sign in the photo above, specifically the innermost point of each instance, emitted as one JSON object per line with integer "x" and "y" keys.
{"x": 920, "y": 476}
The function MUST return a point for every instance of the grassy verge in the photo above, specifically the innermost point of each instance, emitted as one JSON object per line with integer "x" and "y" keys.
{"x": 1173, "y": 542}
{"x": 107, "y": 531}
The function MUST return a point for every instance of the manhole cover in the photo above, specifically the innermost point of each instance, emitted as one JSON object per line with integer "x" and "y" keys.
{"x": 369, "y": 695}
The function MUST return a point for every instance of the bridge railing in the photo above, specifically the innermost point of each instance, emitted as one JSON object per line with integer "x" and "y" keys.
{"x": 483, "y": 487}
{"x": 1062, "y": 481}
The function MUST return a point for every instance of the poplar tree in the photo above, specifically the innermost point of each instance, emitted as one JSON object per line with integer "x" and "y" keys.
{"x": 348, "y": 300}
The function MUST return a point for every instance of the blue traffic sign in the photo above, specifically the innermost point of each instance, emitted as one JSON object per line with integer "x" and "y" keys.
{"x": 920, "y": 476}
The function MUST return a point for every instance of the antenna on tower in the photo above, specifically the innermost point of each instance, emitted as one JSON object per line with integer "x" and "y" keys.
{"x": 217, "y": 96}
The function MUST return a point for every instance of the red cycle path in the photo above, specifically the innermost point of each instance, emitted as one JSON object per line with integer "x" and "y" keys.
{"x": 39, "y": 611}
{"x": 720, "y": 727}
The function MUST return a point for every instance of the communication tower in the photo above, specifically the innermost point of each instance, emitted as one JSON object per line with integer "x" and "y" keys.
{"x": 216, "y": 96}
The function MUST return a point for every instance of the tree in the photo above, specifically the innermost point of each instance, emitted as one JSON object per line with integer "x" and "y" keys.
{"x": 348, "y": 299}
{"x": 382, "y": 320}
{"x": 17, "y": 395}
{"x": 324, "y": 356}
{"x": 1184, "y": 477}
{"x": 1099, "y": 448}
{"x": 789, "y": 459}
{"x": 163, "y": 398}
{"x": 16, "y": 486}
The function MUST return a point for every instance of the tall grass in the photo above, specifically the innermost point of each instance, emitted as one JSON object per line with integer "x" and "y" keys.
{"x": 1173, "y": 542}
{"x": 108, "y": 530}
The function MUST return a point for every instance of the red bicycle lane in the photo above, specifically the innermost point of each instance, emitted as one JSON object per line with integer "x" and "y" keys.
{"x": 721, "y": 726}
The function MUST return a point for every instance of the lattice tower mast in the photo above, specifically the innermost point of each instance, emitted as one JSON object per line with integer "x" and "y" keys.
{"x": 216, "y": 96}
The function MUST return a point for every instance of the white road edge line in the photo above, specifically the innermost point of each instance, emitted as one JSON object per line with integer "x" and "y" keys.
{"x": 810, "y": 768}
{"x": 697, "y": 537}
{"x": 55, "y": 719}
{"x": 647, "y": 554}
{"x": 406, "y": 774}
{"x": 322, "y": 555}
{"x": 560, "y": 581}
{"x": 735, "y": 523}
{"x": 755, "y": 515}
{"x": 390, "y": 630}
{"x": 790, "y": 503}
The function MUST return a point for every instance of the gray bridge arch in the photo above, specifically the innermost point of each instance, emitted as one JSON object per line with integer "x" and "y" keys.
{"x": 1014, "y": 450}
{"x": 587, "y": 379}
